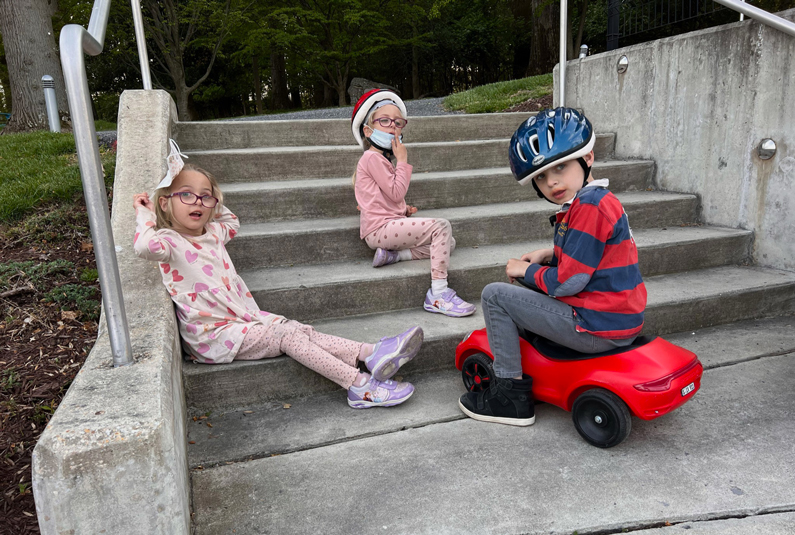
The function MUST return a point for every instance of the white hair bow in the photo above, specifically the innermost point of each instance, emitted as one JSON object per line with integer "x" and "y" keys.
{"x": 175, "y": 165}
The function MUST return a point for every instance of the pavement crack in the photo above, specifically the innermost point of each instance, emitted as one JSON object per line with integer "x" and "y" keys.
{"x": 751, "y": 359}
{"x": 276, "y": 453}
{"x": 630, "y": 527}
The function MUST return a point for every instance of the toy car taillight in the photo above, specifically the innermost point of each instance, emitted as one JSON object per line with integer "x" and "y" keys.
{"x": 664, "y": 383}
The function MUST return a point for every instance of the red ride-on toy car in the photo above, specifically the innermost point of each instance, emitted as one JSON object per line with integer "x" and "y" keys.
{"x": 649, "y": 378}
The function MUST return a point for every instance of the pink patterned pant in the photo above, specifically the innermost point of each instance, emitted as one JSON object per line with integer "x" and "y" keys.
{"x": 426, "y": 237}
{"x": 332, "y": 357}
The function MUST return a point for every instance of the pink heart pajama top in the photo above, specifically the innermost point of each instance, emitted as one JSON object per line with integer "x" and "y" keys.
{"x": 214, "y": 306}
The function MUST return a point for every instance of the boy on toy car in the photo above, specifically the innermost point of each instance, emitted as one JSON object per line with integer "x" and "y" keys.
{"x": 586, "y": 292}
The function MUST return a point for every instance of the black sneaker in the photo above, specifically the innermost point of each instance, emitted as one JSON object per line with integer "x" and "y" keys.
{"x": 507, "y": 401}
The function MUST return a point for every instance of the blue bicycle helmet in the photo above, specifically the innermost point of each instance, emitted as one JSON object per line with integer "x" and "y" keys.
{"x": 550, "y": 137}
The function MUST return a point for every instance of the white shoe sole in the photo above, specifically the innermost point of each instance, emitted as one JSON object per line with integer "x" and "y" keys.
{"x": 449, "y": 314}
{"x": 520, "y": 422}
{"x": 362, "y": 404}
{"x": 402, "y": 355}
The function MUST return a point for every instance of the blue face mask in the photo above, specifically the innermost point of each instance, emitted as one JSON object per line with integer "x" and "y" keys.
{"x": 382, "y": 140}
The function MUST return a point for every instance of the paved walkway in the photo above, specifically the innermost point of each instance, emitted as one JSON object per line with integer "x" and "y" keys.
{"x": 720, "y": 465}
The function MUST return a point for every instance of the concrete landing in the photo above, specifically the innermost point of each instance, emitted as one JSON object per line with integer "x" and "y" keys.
{"x": 266, "y": 429}
{"x": 725, "y": 454}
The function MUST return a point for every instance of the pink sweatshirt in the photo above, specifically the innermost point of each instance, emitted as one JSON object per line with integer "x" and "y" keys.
{"x": 380, "y": 191}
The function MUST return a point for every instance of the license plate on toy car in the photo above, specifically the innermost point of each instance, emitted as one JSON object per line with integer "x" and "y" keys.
{"x": 689, "y": 388}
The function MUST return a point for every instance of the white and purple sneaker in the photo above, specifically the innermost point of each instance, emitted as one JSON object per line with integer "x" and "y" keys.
{"x": 376, "y": 393}
{"x": 384, "y": 257}
{"x": 448, "y": 303}
{"x": 392, "y": 353}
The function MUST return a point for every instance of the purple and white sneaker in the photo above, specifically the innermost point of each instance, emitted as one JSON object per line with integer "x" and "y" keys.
{"x": 448, "y": 303}
{"x": 376, "y": 393}
{"x": 392, "y": 353}
{"x": 384, "y": 257}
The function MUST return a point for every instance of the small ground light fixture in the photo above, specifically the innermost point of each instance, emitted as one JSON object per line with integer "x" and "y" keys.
{"x": 51, "y": 102}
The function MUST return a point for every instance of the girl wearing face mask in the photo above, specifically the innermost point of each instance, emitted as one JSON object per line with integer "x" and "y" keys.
{"x": 378, "y": 120}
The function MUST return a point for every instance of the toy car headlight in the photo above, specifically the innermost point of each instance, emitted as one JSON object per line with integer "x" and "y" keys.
{"x": 467, "y": 336}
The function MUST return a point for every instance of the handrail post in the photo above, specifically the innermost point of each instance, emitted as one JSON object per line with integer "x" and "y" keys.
{"x": 74, "y": 41}
{"x": 140, "y": 39}
{"x": 564, "y": 13}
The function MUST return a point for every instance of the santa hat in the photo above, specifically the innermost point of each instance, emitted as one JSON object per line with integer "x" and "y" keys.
{"x": 367, "y": 104}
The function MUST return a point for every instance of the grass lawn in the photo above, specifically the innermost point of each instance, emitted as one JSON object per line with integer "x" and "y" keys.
{"x": 499, "y": 96}
{"x": 39, "y": 168}
{"x": 101, "y": 125}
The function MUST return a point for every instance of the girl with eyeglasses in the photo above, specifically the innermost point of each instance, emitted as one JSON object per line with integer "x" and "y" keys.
{"x": 184, "y": 228}
{"x": 378, "y": 120}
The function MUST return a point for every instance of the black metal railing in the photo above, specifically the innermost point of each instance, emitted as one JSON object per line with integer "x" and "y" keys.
{"x": 639, "y": 16}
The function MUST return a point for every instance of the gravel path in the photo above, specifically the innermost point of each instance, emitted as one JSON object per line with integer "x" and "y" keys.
{"x": 415, "y": 108}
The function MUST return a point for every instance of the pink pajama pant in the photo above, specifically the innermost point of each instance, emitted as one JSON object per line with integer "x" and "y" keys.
{"x": 426, "y": 237}
{"x": 332, "y": 357}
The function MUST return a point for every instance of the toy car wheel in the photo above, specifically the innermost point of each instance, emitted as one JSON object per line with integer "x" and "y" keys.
{"x": 601, "y": 418}
{"x": 477, "y": 372}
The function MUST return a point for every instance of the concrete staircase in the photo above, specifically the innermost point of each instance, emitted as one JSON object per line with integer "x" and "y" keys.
{"x": 299, "y": 252}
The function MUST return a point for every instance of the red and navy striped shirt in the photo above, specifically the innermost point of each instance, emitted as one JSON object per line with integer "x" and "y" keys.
{"x": 594, "y": 268}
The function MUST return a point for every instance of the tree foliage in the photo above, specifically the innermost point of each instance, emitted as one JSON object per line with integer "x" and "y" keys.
{"x": 223, "y": 58}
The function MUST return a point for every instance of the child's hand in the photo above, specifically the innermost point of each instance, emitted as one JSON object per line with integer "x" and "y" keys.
{"x": 142, "y": 199}
{"x": 410, "y": 210}
{"x": 539, "y": 256}
{"x": 399, "y": 150}
{"x": 516, "y": 269}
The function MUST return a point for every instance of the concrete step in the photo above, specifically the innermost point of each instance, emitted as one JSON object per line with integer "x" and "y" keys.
{"x": 319, "y": 241}
{"x": 321, "y": 420}
{"x": 677, "y": 302}
{"x": 722, "y": 455}
{"x": 328, "y": 161}
{"x": 310, "y": 292}
{"x": 333, "y": 197}
{"x": 203, "y": 135}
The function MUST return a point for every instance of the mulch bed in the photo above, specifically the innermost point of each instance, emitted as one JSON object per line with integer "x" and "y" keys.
{"x": 534, "y": 104}
{"x": 42, "y": 347}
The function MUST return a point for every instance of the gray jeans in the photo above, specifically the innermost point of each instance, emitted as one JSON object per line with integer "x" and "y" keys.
{"x": 508, "y": 308}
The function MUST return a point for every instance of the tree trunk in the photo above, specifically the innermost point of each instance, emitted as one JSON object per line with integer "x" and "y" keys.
{"x": 545, "y": 40}
{"x": 295, "y": 97}
{"x": 328, "y": 96}
{"x": 574, "y": 39}
{"x": 181, "y": 96}
{"x": 581, "y": 28}
{"x": 415, "y": 67}
{"x": 279, "y": 95}
{"x": 5, "y": 85}
{"x": 340, "y": 83}
{"x": 30, "y": 53}
{"x": 257, "y": 83}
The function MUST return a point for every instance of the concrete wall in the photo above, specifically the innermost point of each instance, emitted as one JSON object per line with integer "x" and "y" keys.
{"x": 113, "y": 458}
{"x": 699, "y": 104}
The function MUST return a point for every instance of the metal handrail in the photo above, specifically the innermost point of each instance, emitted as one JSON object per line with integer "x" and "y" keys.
{"x": 74, "y": 41}
{"x": 765, "y": 17}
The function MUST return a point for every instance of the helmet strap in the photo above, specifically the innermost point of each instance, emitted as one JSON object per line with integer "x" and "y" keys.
{"x": 586, "y": 168}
